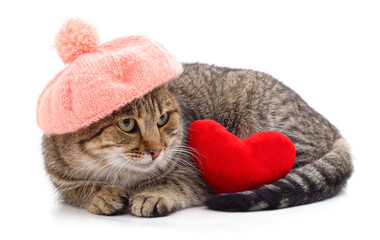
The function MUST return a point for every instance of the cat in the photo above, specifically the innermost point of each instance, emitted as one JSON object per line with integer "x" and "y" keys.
{"x": 136, "y": 160}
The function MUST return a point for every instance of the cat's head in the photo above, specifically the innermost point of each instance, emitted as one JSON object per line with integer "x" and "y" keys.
{"x": 138, "y": 139}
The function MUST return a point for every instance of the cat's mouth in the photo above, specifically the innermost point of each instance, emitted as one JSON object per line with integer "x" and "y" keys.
{"x": 145, "y": 163}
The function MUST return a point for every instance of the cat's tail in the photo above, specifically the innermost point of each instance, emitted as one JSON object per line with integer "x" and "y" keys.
{"x": 319, "y": 180}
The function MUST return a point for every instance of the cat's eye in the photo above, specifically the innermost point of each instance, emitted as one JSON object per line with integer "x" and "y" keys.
{"x": 163, "y": 120}
{"x": 127, "y": 125}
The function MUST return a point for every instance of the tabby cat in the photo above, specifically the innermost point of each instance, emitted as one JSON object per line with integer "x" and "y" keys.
{"x": 136, "y": 160}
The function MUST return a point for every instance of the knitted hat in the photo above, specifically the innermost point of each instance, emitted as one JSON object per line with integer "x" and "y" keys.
{"x": 100, "y": 78}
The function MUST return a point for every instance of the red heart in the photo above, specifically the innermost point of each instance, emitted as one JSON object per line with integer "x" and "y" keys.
{"x": 231, "y": 164}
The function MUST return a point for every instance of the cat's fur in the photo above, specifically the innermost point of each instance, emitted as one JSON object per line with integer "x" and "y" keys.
{"x": 97, "y": 168}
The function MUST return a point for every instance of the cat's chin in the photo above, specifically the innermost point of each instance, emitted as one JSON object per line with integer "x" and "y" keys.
{"x": 143, "y": 167}
{"x": 148, "y": 164}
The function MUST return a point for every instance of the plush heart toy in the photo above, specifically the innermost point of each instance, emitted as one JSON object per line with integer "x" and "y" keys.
{"x": 231, "y": 164}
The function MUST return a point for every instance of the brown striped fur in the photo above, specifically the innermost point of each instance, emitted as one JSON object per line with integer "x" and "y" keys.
{"x": 106, "y": 171}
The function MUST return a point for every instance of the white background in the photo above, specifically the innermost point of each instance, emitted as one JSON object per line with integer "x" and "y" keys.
{"x": 327, "y": 51}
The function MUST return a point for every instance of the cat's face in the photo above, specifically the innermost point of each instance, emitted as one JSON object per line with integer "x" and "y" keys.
{"x": 139, "y": 138}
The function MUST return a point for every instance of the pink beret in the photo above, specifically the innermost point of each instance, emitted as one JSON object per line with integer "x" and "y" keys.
{"x": 100, "y": 79}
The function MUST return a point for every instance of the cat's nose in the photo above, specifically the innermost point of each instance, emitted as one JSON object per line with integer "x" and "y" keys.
{"x": 154, "y": 153}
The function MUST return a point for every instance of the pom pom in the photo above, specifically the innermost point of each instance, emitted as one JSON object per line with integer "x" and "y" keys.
{"x": 75, "y": 38}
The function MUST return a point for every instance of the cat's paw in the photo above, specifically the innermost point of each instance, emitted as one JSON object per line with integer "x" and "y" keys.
{"x": 151, "y": 205}
{"x": 110, "y": 200}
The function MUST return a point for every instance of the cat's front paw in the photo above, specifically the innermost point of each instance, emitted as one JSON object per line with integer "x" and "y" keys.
{"x": 110, "y": 200}
{"x": 151, "y": 205}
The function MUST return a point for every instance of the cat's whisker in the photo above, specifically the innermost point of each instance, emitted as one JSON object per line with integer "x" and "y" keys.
{"x": 98, "y": 159}
{"x": 122, "y": 167}
{"x": 180, "y": 148}
{"x": 94, "y": 178}
{"x": 187, "y": 148}
{"x": 186, "y": 163}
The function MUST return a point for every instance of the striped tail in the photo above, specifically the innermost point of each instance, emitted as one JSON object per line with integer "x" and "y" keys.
{"x": 316, "y": 181}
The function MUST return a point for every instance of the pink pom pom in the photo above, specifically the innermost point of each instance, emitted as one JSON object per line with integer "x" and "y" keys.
{"x": 75, "y": 38}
